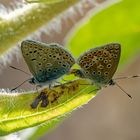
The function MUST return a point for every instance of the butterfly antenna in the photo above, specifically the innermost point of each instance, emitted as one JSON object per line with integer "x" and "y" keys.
{"x": 123, "y": 90}
{"x": 20, "y": 85}
{"x": 19, "y": 70}
{"x": 125, "y": 77}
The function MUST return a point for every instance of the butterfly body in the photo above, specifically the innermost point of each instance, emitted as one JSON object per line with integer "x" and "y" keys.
{"x": 99, "y": 64}
{"x": 46, "y": 62}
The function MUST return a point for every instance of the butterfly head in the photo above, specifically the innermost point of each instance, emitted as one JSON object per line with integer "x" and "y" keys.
{"x": 77, "y": 72}
{"x": 32, "y": 81}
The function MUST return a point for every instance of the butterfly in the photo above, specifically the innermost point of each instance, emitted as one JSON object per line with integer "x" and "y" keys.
{"x": 99, "y": 65}
{"x": 46, "y": 62}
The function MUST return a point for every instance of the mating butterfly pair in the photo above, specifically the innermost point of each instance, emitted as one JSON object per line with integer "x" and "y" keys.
{"x": 49, "y": 62}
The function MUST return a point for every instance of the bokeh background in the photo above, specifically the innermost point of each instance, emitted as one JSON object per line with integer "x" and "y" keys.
{"x": 111, "y": 115}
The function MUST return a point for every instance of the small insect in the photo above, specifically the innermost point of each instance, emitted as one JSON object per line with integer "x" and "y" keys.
{"x": 46, "y": 62}
{"x": 99, "y": 65}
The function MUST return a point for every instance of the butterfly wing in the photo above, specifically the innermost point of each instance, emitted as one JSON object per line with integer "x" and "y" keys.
{"x": 99, "y": 64}
{"x": 46, "y": 62}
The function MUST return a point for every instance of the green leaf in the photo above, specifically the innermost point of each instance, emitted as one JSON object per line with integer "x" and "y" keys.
{"x": 41, "y": 130}
{"x": 25, "y": 21}
{"x": 44, "y": 1}
{"x": 118, "y": 23}
{"x": 16, "y": 113}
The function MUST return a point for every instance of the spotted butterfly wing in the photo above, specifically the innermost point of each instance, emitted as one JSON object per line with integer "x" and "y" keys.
{"x": 46, "y": 62}
{"x": 99, "y": 64}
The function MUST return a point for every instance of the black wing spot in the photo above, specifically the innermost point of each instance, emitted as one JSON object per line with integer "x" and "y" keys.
{"x": 33, "y": 59}
{"x": 99, "y": 72}
{"x": 93, "y": 72}
{"x": 109, "y": 66}
{"x": 55, "y": 71}
{"x": 86, "y": 72}
{"x": 87, "y": 66}
{"x": 64, "y": 65}
{"x": 101, "y": 58}
{"x": 106, "y": 73}
{"x": 105, "y": 61}
{"x": 112, "y": 54}
{"x": 50, "y": 55}
{"x": 48, "y": 69}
